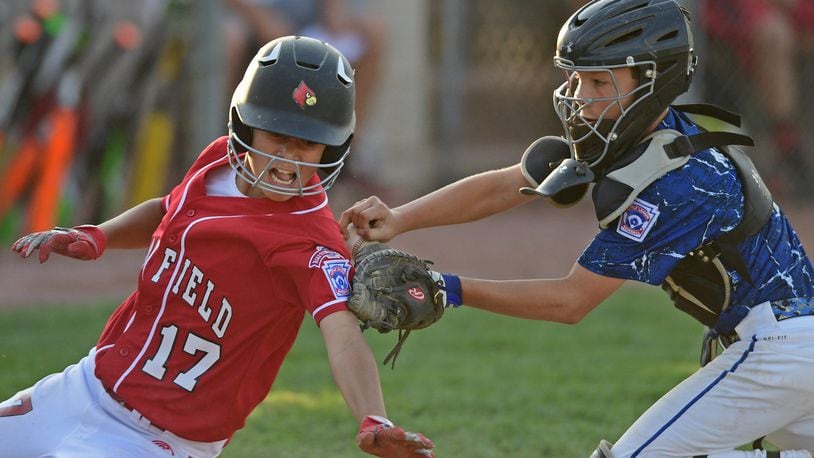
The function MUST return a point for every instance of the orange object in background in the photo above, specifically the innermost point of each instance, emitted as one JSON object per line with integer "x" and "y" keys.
{"x": 18, "y": 174}
{"x": 56, "y": 163}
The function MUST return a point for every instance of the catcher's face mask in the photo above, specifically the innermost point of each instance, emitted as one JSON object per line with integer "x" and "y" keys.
{"x": 653, "y": 39}
{"x": 594, "y": 102}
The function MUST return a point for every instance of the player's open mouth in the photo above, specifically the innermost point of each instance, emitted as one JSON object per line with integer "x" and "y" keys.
{"x": 282, "y": 177}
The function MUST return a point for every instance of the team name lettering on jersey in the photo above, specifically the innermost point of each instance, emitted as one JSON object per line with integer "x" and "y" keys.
{"x": 189, "y": 285}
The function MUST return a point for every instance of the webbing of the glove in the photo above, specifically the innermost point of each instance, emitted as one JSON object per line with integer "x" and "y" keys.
{"x": 397, "y": 349}
{"x": 362, "y": 250}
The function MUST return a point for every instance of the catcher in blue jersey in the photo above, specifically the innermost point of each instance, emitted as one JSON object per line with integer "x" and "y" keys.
{"x": 678, "y": 207}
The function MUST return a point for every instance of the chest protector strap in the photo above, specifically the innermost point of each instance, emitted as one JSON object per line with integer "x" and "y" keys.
{"x": 700, "y": 284}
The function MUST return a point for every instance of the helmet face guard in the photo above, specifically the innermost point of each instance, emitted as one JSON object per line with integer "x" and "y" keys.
{"x": 296, "y": 87}
{"x": 590, "y": 138}
{"x": 238, "y": 163}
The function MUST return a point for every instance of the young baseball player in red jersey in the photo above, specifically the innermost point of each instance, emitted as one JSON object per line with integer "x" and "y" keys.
{"x": 238, "y": 251}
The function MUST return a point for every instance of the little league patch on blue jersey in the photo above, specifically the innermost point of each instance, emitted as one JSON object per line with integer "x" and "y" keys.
{"x": 637, "y": 220}
{"x": 337, "y": 273}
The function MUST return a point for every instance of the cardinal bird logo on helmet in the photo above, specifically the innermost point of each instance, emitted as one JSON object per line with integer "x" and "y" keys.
{"x": 304, "y": 96}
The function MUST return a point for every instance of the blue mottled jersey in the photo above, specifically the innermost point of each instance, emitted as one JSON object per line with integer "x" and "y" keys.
{"x": 688, "y": 207}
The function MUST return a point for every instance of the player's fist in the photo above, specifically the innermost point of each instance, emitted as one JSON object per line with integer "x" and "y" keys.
{"x": 372, "y": 220}
{"x": 379, "y": 436}
{"x": 81, "y": 242}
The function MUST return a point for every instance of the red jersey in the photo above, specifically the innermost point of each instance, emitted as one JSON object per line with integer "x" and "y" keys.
{"x": 221, "y": 295}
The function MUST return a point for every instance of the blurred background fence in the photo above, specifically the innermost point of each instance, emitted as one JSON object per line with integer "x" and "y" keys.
{"x": 104, "y": 103}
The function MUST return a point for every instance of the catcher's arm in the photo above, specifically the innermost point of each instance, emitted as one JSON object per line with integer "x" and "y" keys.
{"x": 357, "y": 377}
{"x": 468, "y": 199}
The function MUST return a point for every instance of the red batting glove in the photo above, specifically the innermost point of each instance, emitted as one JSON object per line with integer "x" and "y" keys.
{"x": 379, "y": 436}
{"x": 81, "y": 242}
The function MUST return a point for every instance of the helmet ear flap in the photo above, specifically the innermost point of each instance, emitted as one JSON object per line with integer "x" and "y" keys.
{"x": 334, "y": 154}
{"x": 240, "y": 130}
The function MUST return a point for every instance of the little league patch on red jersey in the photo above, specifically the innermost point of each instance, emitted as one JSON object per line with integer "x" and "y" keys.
{"x": 337, "y": 274}
{"x": 637, "y": 220}
{"x": 321, "y": 254}
{"x": 336, "y": 268}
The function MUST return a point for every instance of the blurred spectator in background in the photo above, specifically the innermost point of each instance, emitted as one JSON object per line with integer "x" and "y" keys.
{"x": 351, "y": 26}
{"x": 768, "y": 39}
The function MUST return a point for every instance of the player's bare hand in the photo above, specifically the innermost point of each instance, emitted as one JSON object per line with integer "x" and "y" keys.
{"x": 380, "y": 437}
{"x": 372, "y": 218}
{"x": 81, "y": 242}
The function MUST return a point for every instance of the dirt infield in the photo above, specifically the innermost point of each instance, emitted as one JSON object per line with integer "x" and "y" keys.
{"x": 534, "y": 240}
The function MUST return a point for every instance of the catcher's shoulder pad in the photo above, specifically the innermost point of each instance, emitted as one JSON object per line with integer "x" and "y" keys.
{"x": 542, "y": 157}
{"x": 539, "y": 160}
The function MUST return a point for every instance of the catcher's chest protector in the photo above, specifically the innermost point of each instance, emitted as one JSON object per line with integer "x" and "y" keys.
{"x": 700, "y": 284}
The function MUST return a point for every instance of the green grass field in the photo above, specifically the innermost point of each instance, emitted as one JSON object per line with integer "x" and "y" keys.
{"x": 478, "y": 384}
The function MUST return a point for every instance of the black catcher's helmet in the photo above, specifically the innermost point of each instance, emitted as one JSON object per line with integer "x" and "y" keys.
{"x": 651, "y": 37}
{"x": 299, "y": 87}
